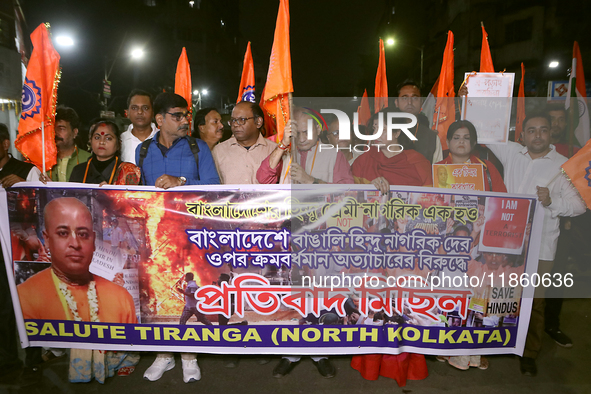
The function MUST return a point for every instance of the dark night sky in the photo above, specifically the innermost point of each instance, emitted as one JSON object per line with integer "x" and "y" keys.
{"x": 334, "y": 45}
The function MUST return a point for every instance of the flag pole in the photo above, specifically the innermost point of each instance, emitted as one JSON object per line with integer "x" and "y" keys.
{"x": 293, "y": 139}
{"x": 571, "y": 124}
{"x": 43, "y": 144}
{"x": 437, "y": 122}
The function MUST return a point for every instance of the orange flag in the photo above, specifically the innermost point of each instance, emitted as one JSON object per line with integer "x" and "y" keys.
{"x": 279, "y": 83}
{"x": 520, "y": 106}
{"x": 269, "y": 123}
{"x": 486, "y": 64}
{"x": 578, "y": 169}
{"x": 182, "y": 80}
{"x": 445, "y": 109}
{"x": 38, "y": 103}
{"x": 381, "y": 89}
{"x": 363, "y": 110}
{"x": 246, "y": 91}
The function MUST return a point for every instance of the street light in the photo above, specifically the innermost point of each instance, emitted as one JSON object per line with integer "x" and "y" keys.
{"x": 137, "y": 53}
{"x": 64, "y": 41}
{"x": 391, "y": 42}
{"x": 553, "y": 64}
{"x": 198, "y": 94}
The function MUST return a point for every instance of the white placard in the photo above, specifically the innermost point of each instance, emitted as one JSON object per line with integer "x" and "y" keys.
{"x": 488, "y": 105}
{"x": 106, "y": 262}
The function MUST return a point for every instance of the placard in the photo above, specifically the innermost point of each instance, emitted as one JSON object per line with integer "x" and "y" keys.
{"x": 458, "y": 176}
{"x": 488, "y": 105}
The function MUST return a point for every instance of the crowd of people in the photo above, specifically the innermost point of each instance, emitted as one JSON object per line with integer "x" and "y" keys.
{"x": 159, "y": 149}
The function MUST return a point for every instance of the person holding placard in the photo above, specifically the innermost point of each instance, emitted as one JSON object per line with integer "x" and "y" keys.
{"x": 536, "y": 169}
{"x": 461, "y": 140}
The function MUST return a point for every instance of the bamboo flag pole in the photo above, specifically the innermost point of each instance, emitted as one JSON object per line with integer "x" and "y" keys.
{"x": 293, "y": 138}
{"x": 437, "y": 121}
{"x": 554, "y": 178}
{"x": 43, "y": 145}
{"x": 571, "y": 123}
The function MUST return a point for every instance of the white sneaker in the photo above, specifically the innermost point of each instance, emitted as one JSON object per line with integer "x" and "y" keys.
{"x": 158, "y": 367}
{"x": 191, "y": 371}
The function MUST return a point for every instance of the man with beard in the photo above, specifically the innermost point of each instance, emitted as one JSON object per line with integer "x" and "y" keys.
{"x": 172, "y": 158}
{"x": 535, "y": 169}
{"x": 409, "y": 100}
{"x": 558, "y": 123}
{"x": 313, "y": 165}
{"x": 68, "y": 154}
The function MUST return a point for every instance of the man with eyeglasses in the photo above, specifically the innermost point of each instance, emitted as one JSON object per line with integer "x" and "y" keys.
{"x": 409, "y": 100}
{"x": 140, "y": 112}
{"x": 313, "y": 165}
{"x": 172, "y": 158}
{"x": 239, "y": 158}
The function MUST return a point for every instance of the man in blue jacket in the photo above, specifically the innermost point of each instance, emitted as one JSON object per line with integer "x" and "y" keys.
{"x": 172, "y": 158}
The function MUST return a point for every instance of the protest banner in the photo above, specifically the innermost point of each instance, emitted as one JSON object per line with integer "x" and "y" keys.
{"x": 276, "y": 276}
{"x": 488, "y": 105}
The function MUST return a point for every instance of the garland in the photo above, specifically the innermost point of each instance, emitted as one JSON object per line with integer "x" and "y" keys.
{"x": 92, "y": 301}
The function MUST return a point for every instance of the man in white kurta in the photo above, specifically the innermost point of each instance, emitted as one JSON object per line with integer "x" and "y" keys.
{"x": 535, "y": 169}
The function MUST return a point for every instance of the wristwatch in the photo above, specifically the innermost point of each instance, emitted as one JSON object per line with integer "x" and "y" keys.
{"x": 183, "y": 180}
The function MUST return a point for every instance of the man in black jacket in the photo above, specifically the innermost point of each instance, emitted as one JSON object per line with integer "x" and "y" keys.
{"x": 11, "y": 169}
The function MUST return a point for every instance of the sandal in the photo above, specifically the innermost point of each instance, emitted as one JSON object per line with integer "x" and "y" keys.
{"x": 453, "y": 362}
{"x": 125, "y": 371}
{"x": 483, "y": 363}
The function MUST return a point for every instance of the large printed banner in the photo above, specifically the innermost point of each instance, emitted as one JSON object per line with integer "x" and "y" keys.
{"x": 270, "y": 269}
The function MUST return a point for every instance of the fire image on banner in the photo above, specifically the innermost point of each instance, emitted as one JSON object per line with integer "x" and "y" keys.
{"x": 272, "y": 264}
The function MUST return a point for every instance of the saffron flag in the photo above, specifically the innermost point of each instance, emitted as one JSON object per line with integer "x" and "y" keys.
{"x": 520, "y": 106}
{"x": 38, "y": 103}
{"x": 381, "y": 89}
{"x": 269, "y": 122}
{"x": 246, "y": 91}
{"x": 363, "y": 110}
{"x": 486, "y": 64}
{"x": 182, "y": 80}
{"x": 445, "y": 109}
{"x": 578, "y": 170}
{"x": 576, "y": 91}
{"x": 279, "y": 83}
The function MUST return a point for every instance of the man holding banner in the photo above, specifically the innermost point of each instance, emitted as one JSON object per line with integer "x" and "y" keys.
{"x": 535, "y": 169}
